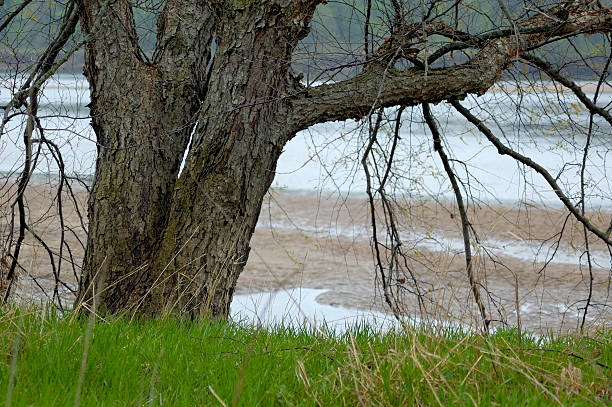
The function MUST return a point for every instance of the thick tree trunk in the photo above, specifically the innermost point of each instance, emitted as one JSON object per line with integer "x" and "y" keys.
{"x": 156, "y": 243}
{"x": 231, "y": 164}
{"x": 142, "y": 115}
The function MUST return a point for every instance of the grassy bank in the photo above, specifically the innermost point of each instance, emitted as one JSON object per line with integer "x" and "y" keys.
{"x": 50, "y": 360}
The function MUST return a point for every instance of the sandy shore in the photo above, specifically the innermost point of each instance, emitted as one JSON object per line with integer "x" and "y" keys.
{"x": 314, "y": 242}
{"x": 311, "y": 241}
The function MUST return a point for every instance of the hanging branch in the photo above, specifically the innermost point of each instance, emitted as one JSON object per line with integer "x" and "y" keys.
{"x": 465, "y": 223}
{"x": 63, "y": 181}
{"x": 582, "y": 212}
{"x": 582, "y": 194}
{"x": 388, "y": 295}
{"x": 396, "y": 251}
{"x": 23, "y": 183}
{"x": 504, "y": 150}
{"x": 14, "y": 14}
{"x": 556, "y": 75}
{"x": 366, "y": 31}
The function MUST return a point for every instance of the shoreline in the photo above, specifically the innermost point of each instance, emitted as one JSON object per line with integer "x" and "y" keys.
{"x": 305, "y": 240}
{"x": 42, "y": 180}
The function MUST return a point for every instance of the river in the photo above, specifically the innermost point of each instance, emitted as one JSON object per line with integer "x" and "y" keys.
{"x": 323, "y": 158}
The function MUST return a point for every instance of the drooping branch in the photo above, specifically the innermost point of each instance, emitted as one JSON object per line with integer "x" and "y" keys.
{"x": 465, "y": 223}
{"x": 392, "y": 269}
{"x": 587, "y": 249}
{"x": 14, "y": 14}
{"x": 556, "y": 75}
{"x": 385, "y": 86}
{"x": 23, "y": 183}
{"x": 64, "y": 179}
{"x": 504, "y": 150}
{"x": 384, "y": 277}
{"x": 585, "y": 154}
{"x": 49, "y": 63}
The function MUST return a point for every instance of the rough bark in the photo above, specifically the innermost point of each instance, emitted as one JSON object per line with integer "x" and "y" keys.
{"x": 382, "y": 85}
{"x": 143, "y": 116}
{"x": 231, "y": 163}
{"x": 158, "y": 242}
{"x": 155, "y": 242}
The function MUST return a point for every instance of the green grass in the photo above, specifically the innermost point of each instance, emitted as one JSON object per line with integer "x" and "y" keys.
{"x": 178, "y": 363}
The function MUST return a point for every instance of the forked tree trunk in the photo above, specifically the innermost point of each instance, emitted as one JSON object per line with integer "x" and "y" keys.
{"x": 143, "y": 115}
{"x": 157, "y": 243}
{"x": 231, "y": 164}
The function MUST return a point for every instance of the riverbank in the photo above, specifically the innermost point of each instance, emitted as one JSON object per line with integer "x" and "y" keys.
{"x": 311, "y": 241}
{"x": 323, "y": 242}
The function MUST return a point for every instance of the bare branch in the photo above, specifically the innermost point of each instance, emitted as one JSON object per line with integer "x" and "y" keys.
{"x": 355, "y": 97}
{"x": 14, "y": 14}
{"x": 465, "y": 223}
{"x": 554, "y": 74}
{"x": 23, "y": 183}
{"x": 503, "y": 150}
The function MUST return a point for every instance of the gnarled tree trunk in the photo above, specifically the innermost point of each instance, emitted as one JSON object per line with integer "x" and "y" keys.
{"x": 143, "y": 115}
{"x": 157, "y": 242}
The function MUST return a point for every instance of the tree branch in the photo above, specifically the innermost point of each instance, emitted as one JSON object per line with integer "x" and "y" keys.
{"x": 503, "y": 150}
{"x": 14, "y": 14}
{"x": 23, "y": 183}
{"x": 465, "y": 223}
{"x": 381, "y": 86}
{"x": 554, "y": 74}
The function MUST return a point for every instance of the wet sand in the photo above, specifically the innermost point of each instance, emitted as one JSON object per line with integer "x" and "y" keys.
{"x": 322, "y": 242}
{"x": 329, "y": 247}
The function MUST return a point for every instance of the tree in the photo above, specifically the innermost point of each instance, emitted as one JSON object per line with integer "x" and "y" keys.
{"x": 164, "y": 240}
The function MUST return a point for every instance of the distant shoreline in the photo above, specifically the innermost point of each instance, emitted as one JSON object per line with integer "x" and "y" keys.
{"x": 586, "y": 87}
{"x": 48, "y": 179}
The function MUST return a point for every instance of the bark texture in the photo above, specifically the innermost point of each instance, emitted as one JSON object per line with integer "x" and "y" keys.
{"x": 231, "y": 163}
{"x": 159, "y": 242}
{"x": 143, "y": 116}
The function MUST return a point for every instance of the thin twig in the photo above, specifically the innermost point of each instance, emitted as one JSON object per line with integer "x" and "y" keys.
{"x": 465, "y": 223}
